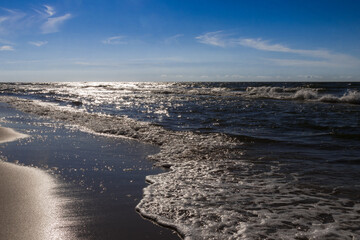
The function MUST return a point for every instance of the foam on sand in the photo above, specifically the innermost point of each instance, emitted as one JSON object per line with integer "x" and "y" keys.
{"x": 27, "y": 206}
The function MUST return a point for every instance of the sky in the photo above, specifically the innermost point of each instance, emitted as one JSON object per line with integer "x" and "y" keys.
{"x": 179, "y": 40}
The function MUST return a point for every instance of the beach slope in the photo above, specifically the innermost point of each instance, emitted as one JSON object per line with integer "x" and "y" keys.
{"x": 28, "y": 209}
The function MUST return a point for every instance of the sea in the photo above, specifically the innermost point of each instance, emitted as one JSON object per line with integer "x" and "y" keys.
{"x": 243, "y": 160}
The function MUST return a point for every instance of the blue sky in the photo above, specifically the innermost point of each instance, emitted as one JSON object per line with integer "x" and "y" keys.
{"x": 179, "y": 40}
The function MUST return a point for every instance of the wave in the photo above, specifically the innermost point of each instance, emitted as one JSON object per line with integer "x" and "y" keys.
{"x": 64, "y": 91}
{"x": 306, "y": 94}
{"x": 211, "y": 191}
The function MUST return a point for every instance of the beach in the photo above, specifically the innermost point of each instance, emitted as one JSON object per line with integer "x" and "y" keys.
{"x": 27, "y": 206}
{"x": 60, "y": 183}
{"x": 190, "y": 120}
{"x": 234, "y": 160}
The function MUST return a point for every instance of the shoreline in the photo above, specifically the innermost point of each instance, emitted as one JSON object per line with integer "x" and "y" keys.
{"x": 28, "y": 207}
{"x": 101, "y": 178}
{"x": 29, "y": 210}
{"x": 9, "y": 135}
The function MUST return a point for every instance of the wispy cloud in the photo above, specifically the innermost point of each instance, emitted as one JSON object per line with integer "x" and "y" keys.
{"x": 38, "y": 43}
{"x": 24, "y": 61}
{"x": 49, "y": 10}
{"x": 213, "y": 38}
{"x": 173, "y": 39}
{"x": 19, "y": 22}
{"x": 11, "y": 20}
{"x": 320, "y": 58}
{"x": 261, "y": 45}
{"x": 114, "y": 40}
{"x": 3, "y": 19}
{"x": 93, "y": 64}
{"x": 138, "y": 62}
{"x": 52, "y": 24}
{"x": 6, "y": 48}
{"x": 302, "y": 63}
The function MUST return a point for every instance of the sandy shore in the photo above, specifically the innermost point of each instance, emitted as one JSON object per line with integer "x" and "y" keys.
{"x": 79, "y": 186}
{"x": 9, "y": 135}
{"x": 28, "y": 209}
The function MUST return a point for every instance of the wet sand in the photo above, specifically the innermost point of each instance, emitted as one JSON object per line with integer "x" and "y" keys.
{"x": 9, "y": 135}
{"x": 28, "y": 208}
{"x": 84, "y": 186}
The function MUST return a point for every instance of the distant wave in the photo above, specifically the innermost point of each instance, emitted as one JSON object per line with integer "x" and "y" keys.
{"x": 64, "y": 91}
{"x": 306, "y": 94}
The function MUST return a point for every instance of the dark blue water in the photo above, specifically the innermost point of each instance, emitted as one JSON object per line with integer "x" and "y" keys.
{"x": 281, "y": 158}
{"x": 317, "y": 115}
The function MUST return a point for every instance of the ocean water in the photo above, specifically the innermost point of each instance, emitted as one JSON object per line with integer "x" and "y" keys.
{"x": 246, "y": 160}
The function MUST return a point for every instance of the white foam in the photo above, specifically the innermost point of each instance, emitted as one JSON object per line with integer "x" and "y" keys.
{"x": 305, "y": 94}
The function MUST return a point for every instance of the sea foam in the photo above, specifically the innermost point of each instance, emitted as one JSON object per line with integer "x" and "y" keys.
{"x": 305, "y": 94}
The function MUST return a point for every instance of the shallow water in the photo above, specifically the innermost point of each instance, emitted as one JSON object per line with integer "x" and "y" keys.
{"x": 248, "y": 160}
{"x": 99, "y": 180}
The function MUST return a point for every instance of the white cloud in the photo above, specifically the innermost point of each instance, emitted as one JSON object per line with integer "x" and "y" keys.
{"x": 46, "y": 11}
{"x": 49, "y": 10}
{"x": 266, "y": 46}
{"x": 114, "y": 40}
{"x": 19, "y": 22}
{"x": 262, "y": 45}
{"x": 6, "y": 48}
{"x": 213, "y": 38}
{"x": 52, "y": 24}
{"x": 38, "y": 43}
{"x": 320, "y": 58}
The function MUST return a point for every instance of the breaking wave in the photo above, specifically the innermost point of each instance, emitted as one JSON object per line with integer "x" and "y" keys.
{"x": 63, "y": 92}
{"x": 306, "y": 94}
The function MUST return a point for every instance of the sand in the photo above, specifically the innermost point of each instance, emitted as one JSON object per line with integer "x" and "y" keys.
{"x": 28, "y": 209}
{"x": 8, "y": 135}
{"x": 79, "y": 186}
